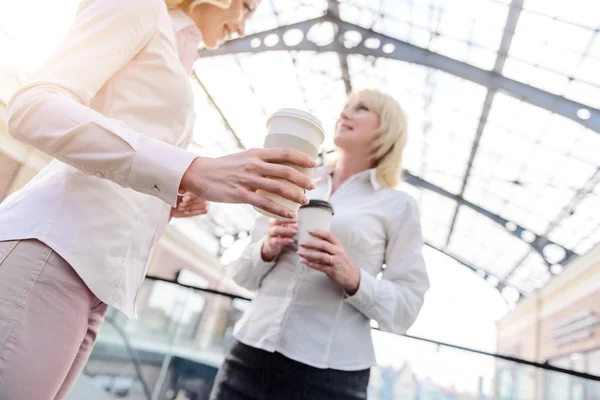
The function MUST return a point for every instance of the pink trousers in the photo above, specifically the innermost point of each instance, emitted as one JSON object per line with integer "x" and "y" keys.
{"x": 49, "y": 320}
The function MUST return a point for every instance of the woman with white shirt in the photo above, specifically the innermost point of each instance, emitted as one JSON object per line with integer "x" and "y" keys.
{"x": 307, "y": 334}
{"x": 114, "y": 106}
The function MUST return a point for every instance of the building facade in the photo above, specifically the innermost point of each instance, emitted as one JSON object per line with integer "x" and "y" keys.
{"x": 558, "y": 325}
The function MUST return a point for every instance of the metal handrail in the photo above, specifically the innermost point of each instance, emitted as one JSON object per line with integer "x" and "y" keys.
{"x": 544, "y": 366}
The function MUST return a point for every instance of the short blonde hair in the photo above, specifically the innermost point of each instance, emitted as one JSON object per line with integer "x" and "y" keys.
{"x": 218, "y": 3}
{"x": 388, "y": 148}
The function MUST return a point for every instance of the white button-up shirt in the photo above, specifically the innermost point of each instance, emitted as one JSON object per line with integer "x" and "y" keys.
{"x": 114, "y": 106}
{"x": 301, "y": 313}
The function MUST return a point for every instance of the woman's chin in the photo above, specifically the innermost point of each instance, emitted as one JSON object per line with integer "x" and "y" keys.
{"x": 212, "y": 44}
{"x": 341, "y": 141}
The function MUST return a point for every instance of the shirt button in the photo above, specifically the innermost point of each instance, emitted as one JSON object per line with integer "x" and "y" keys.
{"x": 99, "y": 174}
{"x": 155, "y": 189}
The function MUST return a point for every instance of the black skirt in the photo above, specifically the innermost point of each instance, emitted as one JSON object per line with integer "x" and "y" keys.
{"x": 249, "y": 373}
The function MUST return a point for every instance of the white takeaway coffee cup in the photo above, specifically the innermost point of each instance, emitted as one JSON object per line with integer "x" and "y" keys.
{"x": 315, "y": 215}
{"x": 293, "y": 129}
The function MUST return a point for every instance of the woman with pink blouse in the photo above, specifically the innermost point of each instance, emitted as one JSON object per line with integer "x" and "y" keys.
{"x": 114, "y": 106}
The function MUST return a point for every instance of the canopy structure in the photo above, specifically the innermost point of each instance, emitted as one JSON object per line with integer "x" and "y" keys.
{"x": 502, "y": 99}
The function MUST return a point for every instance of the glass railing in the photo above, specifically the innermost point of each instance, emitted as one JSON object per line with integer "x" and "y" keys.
{"x": 174, "y": 348}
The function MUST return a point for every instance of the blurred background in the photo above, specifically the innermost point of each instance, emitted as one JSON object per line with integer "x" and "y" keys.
{"x": 503, "y": 156}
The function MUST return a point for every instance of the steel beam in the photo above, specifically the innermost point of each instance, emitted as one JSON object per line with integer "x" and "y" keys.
{"x": 538, "y": 243}
{"x": 398, "y": 50}
{"x": 509, "y": 32}
{"x": 334, "y": 11}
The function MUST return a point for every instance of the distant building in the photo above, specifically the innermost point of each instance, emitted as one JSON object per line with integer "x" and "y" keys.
{"x": 560, "y": 325}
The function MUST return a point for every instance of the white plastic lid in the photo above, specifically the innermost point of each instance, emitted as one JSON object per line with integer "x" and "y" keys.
{"x": 295, "y": 113}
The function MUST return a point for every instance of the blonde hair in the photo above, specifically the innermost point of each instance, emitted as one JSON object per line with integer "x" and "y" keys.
{"x": 224, "y": 4}
{"x": 388, "y": 148}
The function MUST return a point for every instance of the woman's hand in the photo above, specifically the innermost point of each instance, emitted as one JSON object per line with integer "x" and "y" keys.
{"x": 280, "y": 234}
{"x": 189, "y": 205}
{"x": 327, "y": 254}
{"x": 236, "y": 178}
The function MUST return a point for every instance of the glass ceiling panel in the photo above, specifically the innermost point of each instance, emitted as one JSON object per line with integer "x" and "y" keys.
{"x": 589, "y": 241}
{"x": 485, "y": 244}
{"x": 274, "y": 13}
{"x": 324, "y": 92}
{"x": 532, "y": 274}
{"x": 226, "y": 82}
{"x": 468, "y": 30}
{"x": 528, "y": 166}
{"x": 577, "y": 12}
{"x": 211, "y": 137}
{"x": 436, "y": 217}
{"x": 580, "y": 230}
{"x": 555, "y": 48}
{"x": 265, "y": 82}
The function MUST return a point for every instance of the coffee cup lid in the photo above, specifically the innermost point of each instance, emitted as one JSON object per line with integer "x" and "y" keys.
{"x": 319, "y": 204}
{"x": 295, "y": 113}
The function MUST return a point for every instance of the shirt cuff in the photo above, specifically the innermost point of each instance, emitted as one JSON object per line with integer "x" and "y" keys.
{"x": 257, "y": 261}
{"x": 363, "y": 299}
{"x": 158, "y": 169}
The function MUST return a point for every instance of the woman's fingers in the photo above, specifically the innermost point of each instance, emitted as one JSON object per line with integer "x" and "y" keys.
{"x": 195, "y": 205}
{"x": 236, "y": 177}
{"x": 288, "y": 231}
{"x": 282, "y": 241}
{"x": 324, "y": 235}
{"x": 189, "y": 200}
{"x": 267, "y": 205}
{"x": 316, "y": 257}
{"x": 283, "y": 156}
{"x": 283, "y": 222}
{"x": 320, "y": 246}
{"x": 279, "y": 187}
{"x": 198, "y": 211}
{"x": 287, "y": 173}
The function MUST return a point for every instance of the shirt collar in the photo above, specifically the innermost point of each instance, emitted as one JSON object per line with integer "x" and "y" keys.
{"x": 369, "y": 175}
{"x": 374, "y": 180}
{"x": 187, "y": 38}
{"x": 183, "y": 22}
